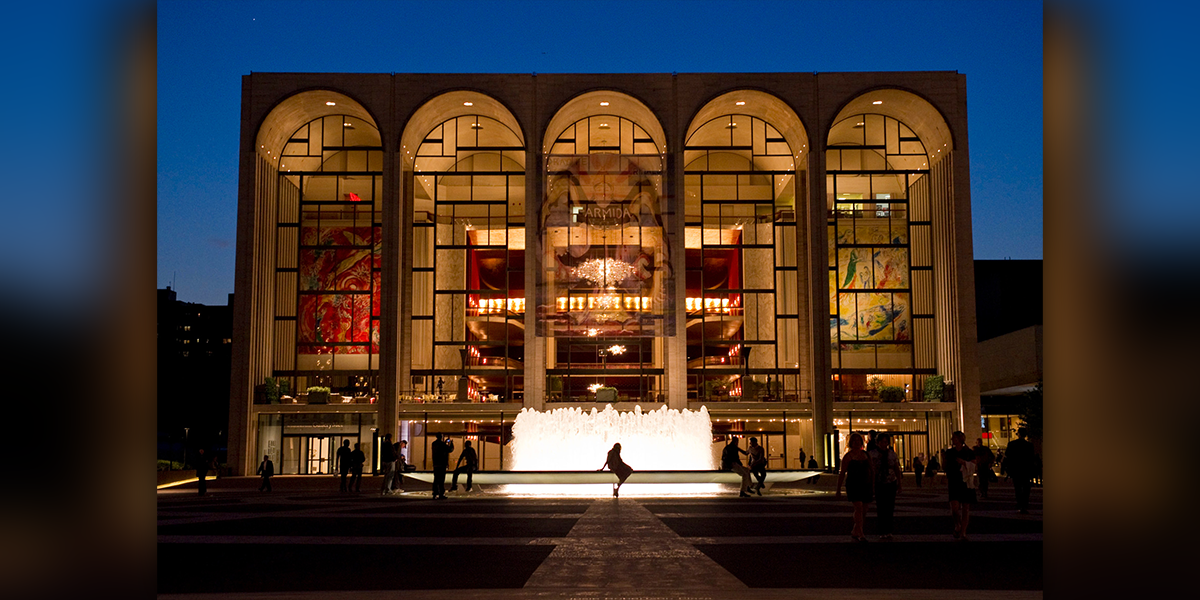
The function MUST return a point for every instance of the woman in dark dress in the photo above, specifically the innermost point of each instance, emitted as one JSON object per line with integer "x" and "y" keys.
{"x": 617, "y": 466}
{"x": 857, "y": 474}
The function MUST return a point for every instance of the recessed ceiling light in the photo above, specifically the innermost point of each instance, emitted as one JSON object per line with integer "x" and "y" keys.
{"x": 859, "y": 124}
{"x": 877, "y": 102}
{"x": 731, "y": 126}
{"x": 740, "y": 103}
{"x": 468, "y": 104}
{"x": 604, "y": 126}
{"x": 476, "y": 126}
{"x": 331, "y": 104}
{"x": 347, "y": 124}
{"x": 603, "y": 104}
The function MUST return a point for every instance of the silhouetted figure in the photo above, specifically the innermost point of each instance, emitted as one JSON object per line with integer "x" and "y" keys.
{"x": 857, "y": 474}
{"x": 985, "y": 459}
{"x": 203, "y": 464}
{"x": 1019, "y": 462}
{"x": 441, "y": 461}
{"x": 758, "y": 464}
{"x": 813, "y": 466}
{"x": 730, "y": 461}
{"x": 267, "y": 470}
{"x": 962, "y": 496}
{"x": 357, "y": 459}
{"x": 871, "y": 436}
{"x": 931, "y": 470}
{"x": 618, "y": 467}
{"x": 387, "y": 462}
{"x": 802, "y": 455}
{"x": 886, "y": 467}
{"x": 918, "y": 468}
{"x": 467, "y": 462}
{"x": 343, "y": 462}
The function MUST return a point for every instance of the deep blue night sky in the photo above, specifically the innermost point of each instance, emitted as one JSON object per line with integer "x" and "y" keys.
{"x": 205, "y": 47}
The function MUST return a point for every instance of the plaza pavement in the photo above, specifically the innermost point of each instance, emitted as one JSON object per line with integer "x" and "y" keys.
{"x": 308, "y": 540}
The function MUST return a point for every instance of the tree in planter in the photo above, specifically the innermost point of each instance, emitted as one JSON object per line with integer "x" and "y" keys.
{"x": 272, "y": 390}
{"x": 318, "y": 395}
{"x": 606, "y": 394}
{"x": 935, "y": 388}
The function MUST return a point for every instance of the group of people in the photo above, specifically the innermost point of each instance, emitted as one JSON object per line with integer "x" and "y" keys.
{"x": 871, "y": 472}
{"x": 468, "y": 462}
{"x": 731, "y": 460}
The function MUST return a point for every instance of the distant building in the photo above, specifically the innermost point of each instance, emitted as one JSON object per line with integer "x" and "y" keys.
{"x": 1009, "y": 319}
{"x": 443, "y": 250}
{"x": 194, "y": 351}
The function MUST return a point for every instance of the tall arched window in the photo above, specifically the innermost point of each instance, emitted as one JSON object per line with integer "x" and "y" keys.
{"x": 880, "y": 273}
{"x": 468, "y": 261}
{"x": 327, "y": 285}
{"x": 742, "y": 197}
{"x": 605, "y": 279}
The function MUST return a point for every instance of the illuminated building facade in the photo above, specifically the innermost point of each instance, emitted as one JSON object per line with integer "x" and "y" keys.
{"x": 792, "y": 251}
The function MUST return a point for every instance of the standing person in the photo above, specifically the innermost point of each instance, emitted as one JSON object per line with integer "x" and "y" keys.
{"x": 387, "y": 462}
{"x": 617, "y": 466}
{"x": 985, "y": 460}
{"x": 918, "y": 468}
{"x": 802, "y": 455}
{"x": 203, "y": 464}
{"x": 758, "y": 464}
{"x": 1019, "y": 462}
{"x": 402, "y": 465}
{"x": 730, "y": 461}
{"x": 871, "y": 435}
{"x": 357, "y": 460}
{"x": 856, "y": 473}
{"x": 959, "y": 464}
{"x": 343, "y": 462}
{"x": 467, "y": 461}
{"x": 441, "y": 461}
{"x": 267, "y": 470}
{"x": 886, "y": 466}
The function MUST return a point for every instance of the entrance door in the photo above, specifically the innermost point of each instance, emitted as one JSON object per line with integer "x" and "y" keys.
{"x": 318, "y": 455}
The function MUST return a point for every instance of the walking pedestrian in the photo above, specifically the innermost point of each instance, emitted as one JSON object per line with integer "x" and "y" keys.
{"x": 467, "y": 461}
{"x": 203, "y": 464}
{"x": 1019, "y": 463}
{"x": 617, "y": 465}
{"x": 959, "y": 465}
{"x": 357, "y": 459}
{"x": 856, "y": 474}
{"x": 343, "y": 463}
{"x": 985, "y": 460}
{"x": 387, "y": 462}
{"x": 886, "y": 467}
{"x": 730, "y": 461}
{"x": 267, "y": 470}
{"x": 931, "y": 470}
{"x": 441, "y": 461}
{"x": 758, "y": 464}
{"x": 918, "y": 467}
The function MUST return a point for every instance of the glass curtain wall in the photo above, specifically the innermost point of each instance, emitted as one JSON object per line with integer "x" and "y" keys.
{"x": 605, "y": 281}
{"x": 468, "y": 263}
{"x": 743, "y": 329}
{"x": 880, "y": 270}
{"x": 328, "y": 259}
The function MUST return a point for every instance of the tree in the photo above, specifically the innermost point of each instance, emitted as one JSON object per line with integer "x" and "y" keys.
{"x": 1031, "y": 412}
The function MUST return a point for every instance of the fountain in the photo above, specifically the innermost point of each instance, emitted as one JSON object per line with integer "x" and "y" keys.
{"x": 570, "y": 439}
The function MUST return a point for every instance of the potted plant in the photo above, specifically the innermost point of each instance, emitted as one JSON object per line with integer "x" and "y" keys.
{"x": 318, "y": 395}
{"x": 271, "y": 389}
{"x": 891, "y": 393}
{"x": 606, "y": 394}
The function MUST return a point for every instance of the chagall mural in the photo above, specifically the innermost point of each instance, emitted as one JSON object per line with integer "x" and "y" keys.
{"x": 859, "y": 288}
{"x": 339, "y": 290}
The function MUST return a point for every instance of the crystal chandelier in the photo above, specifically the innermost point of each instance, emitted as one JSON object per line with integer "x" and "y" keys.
{"x": 601, "y": 271}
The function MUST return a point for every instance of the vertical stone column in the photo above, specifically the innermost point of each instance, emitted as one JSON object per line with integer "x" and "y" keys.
{"x": 815, "y": 268}
{"x": 535, "y": 345}
{"x": 673, "y": 220}
{"x": 390, "y": 319}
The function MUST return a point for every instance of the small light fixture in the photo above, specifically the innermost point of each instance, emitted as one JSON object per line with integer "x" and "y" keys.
{"x": 731, "y": 126}
{"x": 347, "y": 124}
{"x": 331, "y": 104}
{"x": 468, "y": 104}
{"x": 740, "y": 103}
{"x": 603, "y": 104}
{"x": 476, "y": 126}
{"x": 877, "y": 102}
{"x": 604, "y": 126}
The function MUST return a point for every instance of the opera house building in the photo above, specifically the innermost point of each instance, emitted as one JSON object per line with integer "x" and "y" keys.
{"x": 425, "y": 253}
